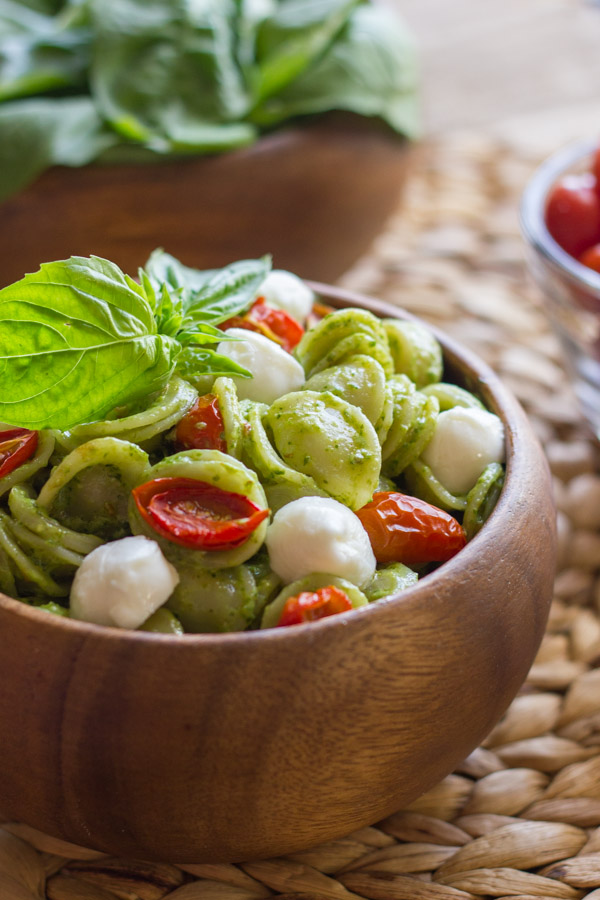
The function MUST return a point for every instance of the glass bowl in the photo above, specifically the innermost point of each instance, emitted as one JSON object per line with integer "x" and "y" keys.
{"x": 571, "y": 290}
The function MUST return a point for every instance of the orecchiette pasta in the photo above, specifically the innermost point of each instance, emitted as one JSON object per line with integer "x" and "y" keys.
{"x": 355, "y": 417}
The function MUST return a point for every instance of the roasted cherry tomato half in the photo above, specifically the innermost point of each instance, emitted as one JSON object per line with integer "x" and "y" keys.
{"x": 16, "y": 446}
{"x": 196, "y": 514}
{"x": 591, "y": 258}
{"x": 573, "y": 213}
{"x": 408, "y": 530}
{"x": 276, "y": 324}
{"x": 202, "y": 426}
{"x": 286, "y": 329}
{"x": 311, "y": 605}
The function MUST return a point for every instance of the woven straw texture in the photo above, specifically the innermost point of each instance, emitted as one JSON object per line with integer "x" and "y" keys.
{"x": 520, "y": 818}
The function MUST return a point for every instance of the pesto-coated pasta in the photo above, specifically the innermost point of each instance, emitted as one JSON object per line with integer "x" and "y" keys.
{"x": 389, "y": 580}
{"x": 282, "y": 483}
{"x": 137, "y": 427}
{"x": 415, "y": 351}
{"x": 421, "y": 482}
{"x": 359, "y": 380}
{"x": 482, "y": 498}
{"x": 323, "y": 436}
{"x": 310, "y": 583}
{"x": 361, "y": 330}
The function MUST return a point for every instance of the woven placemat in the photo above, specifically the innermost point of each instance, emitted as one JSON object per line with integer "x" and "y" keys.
{"x": 520, "y": 818}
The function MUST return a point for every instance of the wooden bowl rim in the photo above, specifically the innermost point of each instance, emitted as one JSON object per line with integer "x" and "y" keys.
{"x": 513, "y": 417}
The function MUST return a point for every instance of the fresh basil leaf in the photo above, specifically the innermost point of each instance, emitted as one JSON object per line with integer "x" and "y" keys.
{"x": 77, "y": 339}
{"x": 202, "y": 334}
{"x": 227, "y": 292}
{"x": 195, "y": 361}
{"x": 209, "y": 296}
{"x": 38, "y": 52}
{"x": 168, "y": 311}
{"x": 162, "y": 268}
{"x": 165, "y": 73}
{"x": 371, "y": 70}
{"x": 293, "y": 37}
{"x": 37, "y": 133}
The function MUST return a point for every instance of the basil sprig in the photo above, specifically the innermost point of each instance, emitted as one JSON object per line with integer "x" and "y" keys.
{"x": 79, "y": 337}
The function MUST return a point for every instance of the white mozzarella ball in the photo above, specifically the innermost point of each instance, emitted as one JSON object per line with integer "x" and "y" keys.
{"x": 285, "y": 291}
{"x": 122, "y": 583}
{"x": 464, "y": 442}
{"x": 318, "y": 534}
{"x": 275, "y": 372}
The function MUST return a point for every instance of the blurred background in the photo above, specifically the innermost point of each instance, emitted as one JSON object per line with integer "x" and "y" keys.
{"x": 485, "y": 62}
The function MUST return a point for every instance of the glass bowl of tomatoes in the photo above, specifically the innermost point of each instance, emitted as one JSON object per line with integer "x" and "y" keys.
{"x": 560, "y": 221}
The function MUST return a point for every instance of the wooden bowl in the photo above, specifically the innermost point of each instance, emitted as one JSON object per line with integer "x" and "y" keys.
{"x": 237, "y": 746}
{"x": 314, "y": 196}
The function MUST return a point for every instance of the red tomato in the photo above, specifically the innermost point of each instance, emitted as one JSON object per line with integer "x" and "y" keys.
{"x": 311, "y": 605}
{"x": 276, "y": 324}
{"x": 591, "y": 258}
{"x": 202, "y": 426}
{"x": 596, "y": 168}
{"x": 197, "y": 515}
{"x": 408, "y": 530}
{"x": 287, "y": 329}
{"x": 16, "y": 446}
{"x": 573, "y": 213}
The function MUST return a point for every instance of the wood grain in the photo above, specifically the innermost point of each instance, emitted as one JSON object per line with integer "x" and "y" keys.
{"x": 231, "y": 747}
{"x": 314, "y": 197}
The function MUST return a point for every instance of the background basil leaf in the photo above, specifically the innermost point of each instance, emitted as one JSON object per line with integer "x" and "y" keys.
{"x": 293, "y": 37}
{"x": 39, "y": 52}
{"x": 77, "y": 339}
{"x": 165, "y": 73}
{"x": 371, "y": 70}
{"x": 249, "y": 15}
{"x": 143, "y": 78}
{"x": 38, "y": 133}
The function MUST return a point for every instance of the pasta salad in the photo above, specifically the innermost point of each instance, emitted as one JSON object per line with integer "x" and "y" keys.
{"x": 218, "y": 451}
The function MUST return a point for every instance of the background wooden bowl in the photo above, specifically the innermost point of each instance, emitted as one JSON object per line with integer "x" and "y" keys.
{"x": 313, "y": 195}
{"x": 229, "y": 747}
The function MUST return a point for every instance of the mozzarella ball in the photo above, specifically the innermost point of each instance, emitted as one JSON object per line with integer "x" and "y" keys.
{"x": 464, "y": 442}
{"x": 122, "y": 583}
{"x": 286, "y": 291}
{"x": 275, "y": 372}
{"x": 318, "y": 534}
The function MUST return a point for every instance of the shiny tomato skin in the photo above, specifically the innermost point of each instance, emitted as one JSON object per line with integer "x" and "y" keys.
{"x": 405, "y": 529}
{"x": 596, "y": 169}
{"x": 196, "y": 514}
{"x": 573, "y": 213}
{"x": 591, "y": 258}
{"x": 17, "y": 445}
{"x": 311, "y": 605}
{"x": 286, "y": 329}
{"x": 201, "y": 428}
{"x": 275, "y": 324}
